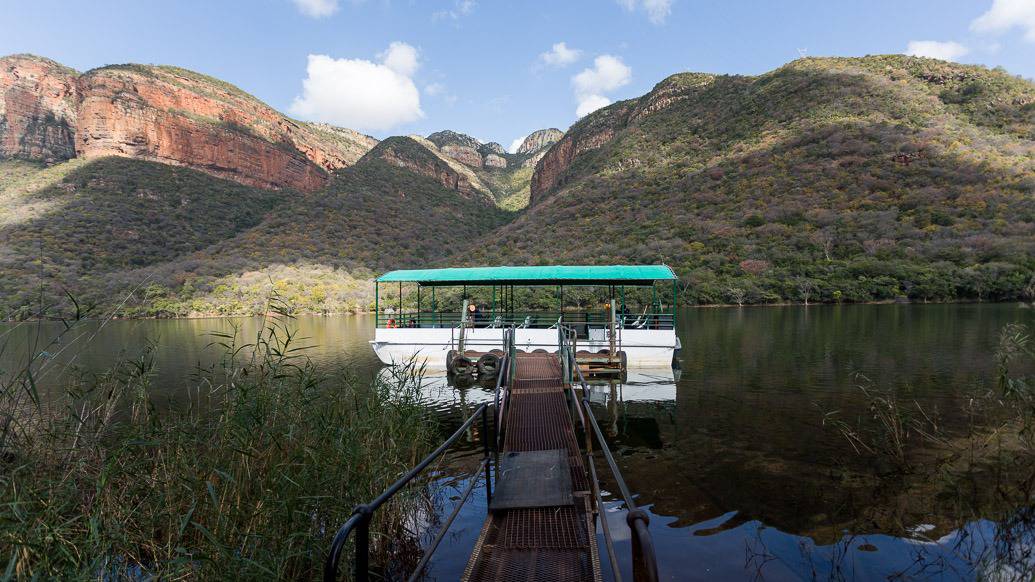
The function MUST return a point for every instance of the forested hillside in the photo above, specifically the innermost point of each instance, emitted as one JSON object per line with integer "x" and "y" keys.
{"x": 875, "y": 178}
{"x": 172, "y": 241}
{"x": 827, "y": 179}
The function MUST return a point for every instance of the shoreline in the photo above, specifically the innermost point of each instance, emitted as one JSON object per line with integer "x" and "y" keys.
{"x": 1020, "y": 305}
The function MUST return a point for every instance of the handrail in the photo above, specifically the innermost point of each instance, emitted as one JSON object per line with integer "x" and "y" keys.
{"x": 503, "y": 372}
{"x": 636, "y": 518}
{"x": 538, "y": 319}
{"x": 363, "y": 513}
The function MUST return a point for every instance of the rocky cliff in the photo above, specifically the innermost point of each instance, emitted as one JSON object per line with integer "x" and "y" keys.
{"x": 164, "y": 114}
{"x": 38, "y": 100}
{"x": 421, "y": 156}
{"x": 468, "y": 150}
{"x": 593, "y": 131}
{"x": 540, "y": 139}
{"x": 590, "y": 133}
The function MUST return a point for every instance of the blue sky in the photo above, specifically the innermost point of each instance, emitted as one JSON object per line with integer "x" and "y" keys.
{"x": 491, "y": 68}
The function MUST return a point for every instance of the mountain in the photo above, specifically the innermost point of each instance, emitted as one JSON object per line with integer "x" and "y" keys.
{"x": 165, "y": 192}
{"x": 836, "y": 178}
{"x": 152, "y": 190}
{"x": 166, "y": 114}
{"x": 508, "y": 176}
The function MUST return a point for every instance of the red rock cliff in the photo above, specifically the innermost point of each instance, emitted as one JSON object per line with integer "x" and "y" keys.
{"x": 168, "y": 115}
{"x": 177, "y": 117}
{"x": 37, "y": 109}
{"x": 592, "y": 132}
{"x": 599, "y": 127}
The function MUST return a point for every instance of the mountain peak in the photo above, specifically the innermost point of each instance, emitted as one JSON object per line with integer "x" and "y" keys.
{"x": 540, "y": 139}
{"x": 450, "y": 137}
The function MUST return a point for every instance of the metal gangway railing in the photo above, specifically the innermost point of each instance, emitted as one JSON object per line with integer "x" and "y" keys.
{"x": 644, "y": 560}
{"x": 643, "y": 555}
{"x": 646, "y": 319}
{"x": 362, "y": 514}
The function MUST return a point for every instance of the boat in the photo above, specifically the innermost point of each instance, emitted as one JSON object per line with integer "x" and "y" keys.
{"x": 425, "y": 315}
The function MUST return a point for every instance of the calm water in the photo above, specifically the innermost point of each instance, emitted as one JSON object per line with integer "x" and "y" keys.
{"x": 728, "y": 452}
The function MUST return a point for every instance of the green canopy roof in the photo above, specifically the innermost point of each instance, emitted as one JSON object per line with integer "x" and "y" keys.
{"x": 546, "y": 275}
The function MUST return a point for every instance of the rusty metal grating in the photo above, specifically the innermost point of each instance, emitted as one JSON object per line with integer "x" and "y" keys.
{"x": 540, "y": 543}
{"x": 554, "y": 528}
{"x": 537, "y": 384}
{"x": 543, "y": 419}
{"x": 539, "y": 390}
{"x": 534, "y": 565}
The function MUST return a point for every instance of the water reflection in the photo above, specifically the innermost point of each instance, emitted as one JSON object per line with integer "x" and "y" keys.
{"x": 743, "y": 482}
{"x": 182, "y": 347}
{"x": 728, "y": 451}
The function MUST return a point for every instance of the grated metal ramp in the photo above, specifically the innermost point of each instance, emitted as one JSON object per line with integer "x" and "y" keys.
{"x": 532, "y": 479}
{"x": 541, "y": 543}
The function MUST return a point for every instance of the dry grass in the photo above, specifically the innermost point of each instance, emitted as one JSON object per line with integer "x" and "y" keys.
{"x": 249, "y": 481}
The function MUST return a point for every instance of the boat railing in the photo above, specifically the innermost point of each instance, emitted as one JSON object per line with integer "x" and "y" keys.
{"x": 523, "y": 320}
{"x": 363, "y": 514}
{"x": 644, "y": 560}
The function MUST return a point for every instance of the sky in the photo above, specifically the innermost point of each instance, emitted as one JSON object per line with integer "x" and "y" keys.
{"x": 497, "y": 70}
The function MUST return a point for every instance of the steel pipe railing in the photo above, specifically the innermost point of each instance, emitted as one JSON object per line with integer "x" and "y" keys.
{"x": 363, "y": 514}
{"x": 645, "y": 565}
{"x": 530, "y": 319}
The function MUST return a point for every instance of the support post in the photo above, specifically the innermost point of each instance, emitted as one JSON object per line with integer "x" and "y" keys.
{"x": 363, "y": 545}
{"x": 463, "y": 328}
{"x": 488, "y": 456}
{"x": 613, "y": 325}
{"x": 377, "y": 303}
{"x": 675, "y": 296}
{"x": 653, "y": 303}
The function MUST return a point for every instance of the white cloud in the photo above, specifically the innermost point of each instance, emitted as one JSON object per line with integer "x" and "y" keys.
{"x": 946, "y": 51}
{"x": 440, "y": 91}
{"x": 607, "y": 74}
{"x": 401, "y": 58}
{"x": 657, "y": 10}
{"x": 361, "y": 94}
{"x": 514, "y": 145}
{"x": 317, "y": 8}
{"x": 460, "y": 9}
{"x": 560, "y": 55}
{"x": 1005, "y": 15}
{"x": 591, "y": 103}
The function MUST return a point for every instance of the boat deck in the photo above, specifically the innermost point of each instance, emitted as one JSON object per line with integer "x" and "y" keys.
{"x": 544, "y": 531}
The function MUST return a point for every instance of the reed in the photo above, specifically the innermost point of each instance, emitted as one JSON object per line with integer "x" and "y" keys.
{"x": 249, "y": 480}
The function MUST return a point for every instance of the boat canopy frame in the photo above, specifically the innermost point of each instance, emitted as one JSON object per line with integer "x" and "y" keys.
{"x": 505, "y": 278}
{"x": 588, "y": 275}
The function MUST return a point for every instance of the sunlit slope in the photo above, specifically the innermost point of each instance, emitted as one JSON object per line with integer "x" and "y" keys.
{"x": 77, "y": 226}
{"x": 151, "y": 239}
{"x": 854, "y": 179}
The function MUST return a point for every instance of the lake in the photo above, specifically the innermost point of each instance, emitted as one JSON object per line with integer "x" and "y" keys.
{"x": 736, "y": 452}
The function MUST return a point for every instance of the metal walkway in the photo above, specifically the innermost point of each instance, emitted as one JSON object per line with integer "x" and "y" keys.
{"x": 555, "y": 542}
{"x": 543, "y": 516}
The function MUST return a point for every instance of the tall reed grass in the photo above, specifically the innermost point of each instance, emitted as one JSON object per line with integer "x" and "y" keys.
{"x": 982, "y": 475}
{"x": 249, "y": 480}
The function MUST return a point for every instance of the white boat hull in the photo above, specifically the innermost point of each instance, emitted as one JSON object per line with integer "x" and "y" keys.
{"x": 643, "y": 347}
